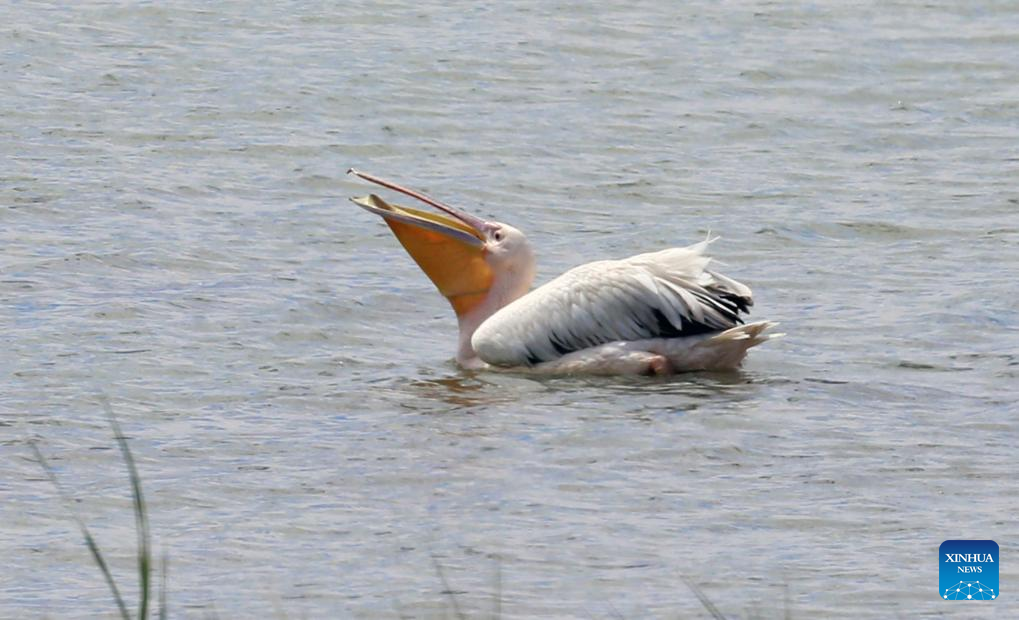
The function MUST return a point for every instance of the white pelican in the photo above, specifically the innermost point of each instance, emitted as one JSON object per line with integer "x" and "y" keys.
{"x": 656, "y": 313}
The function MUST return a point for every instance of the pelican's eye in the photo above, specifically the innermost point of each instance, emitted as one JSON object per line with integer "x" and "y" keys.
{"x": 498, "y": 235}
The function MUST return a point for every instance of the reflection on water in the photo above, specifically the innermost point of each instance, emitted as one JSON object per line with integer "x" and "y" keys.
{"x": 465, "y": 389}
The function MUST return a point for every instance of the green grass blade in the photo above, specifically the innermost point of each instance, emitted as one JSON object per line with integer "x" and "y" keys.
{"x": 448, "y": 590}
{"x": 705, "y": 601}
{"x": 90, "y": 542}
{"x": 164, "y": 566}
{"x": 141, "y": 517}
{"x": 497, "y": 590}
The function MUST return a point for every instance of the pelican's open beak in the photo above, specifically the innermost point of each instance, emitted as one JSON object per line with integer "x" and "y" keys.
{"x": 450, "y": 250}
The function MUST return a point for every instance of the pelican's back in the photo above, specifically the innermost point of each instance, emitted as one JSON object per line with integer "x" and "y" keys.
{"x": 660, "y": 295}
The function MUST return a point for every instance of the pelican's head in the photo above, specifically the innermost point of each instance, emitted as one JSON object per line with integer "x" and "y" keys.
{"x": 478, "y": 265}
{"x": 507, "y": 249}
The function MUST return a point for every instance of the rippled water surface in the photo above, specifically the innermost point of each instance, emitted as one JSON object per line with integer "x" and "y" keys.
{"x": 175, "y": 234}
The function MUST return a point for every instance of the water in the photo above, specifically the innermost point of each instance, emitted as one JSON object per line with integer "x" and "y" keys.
{"x": 176, "y": 236}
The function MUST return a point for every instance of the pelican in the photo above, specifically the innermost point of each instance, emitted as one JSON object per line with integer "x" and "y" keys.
{"x": 654, "y": 314}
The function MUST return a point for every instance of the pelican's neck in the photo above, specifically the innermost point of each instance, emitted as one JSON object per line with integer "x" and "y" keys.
{"x": 507, "y": 287}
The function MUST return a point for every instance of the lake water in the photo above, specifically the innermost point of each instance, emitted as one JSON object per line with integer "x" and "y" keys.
{"x": 176, "y": 235}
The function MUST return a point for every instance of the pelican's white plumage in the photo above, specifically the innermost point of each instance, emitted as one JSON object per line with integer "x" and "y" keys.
{"x": 663, "y": 294}
{"x": 653, "y": 313}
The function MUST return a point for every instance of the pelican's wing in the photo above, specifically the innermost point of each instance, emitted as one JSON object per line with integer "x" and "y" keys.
{"x": 666, "y": 294}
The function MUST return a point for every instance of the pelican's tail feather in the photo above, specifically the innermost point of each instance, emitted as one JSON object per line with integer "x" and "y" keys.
{"x": 726, "y": 350}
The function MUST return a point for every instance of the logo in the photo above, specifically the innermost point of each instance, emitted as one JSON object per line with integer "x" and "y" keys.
{"x": 969, "y": 570}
